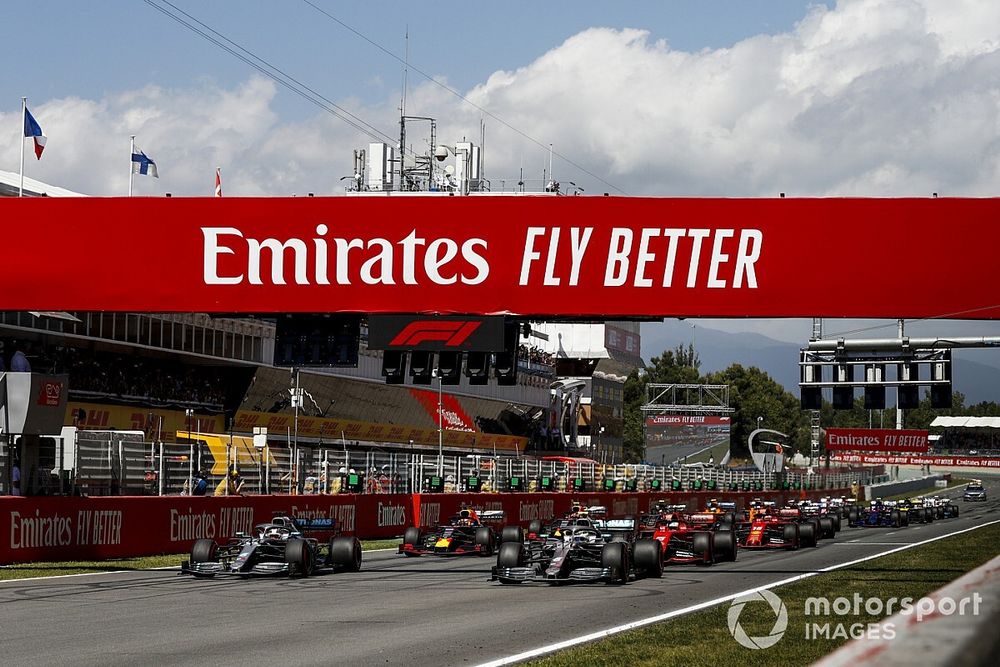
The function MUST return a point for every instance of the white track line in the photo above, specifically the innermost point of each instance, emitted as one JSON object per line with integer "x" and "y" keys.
{"x": 145, "y": 569}
{"x": 601, "y": 634}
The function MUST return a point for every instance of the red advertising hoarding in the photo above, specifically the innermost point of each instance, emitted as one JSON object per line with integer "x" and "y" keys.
{"x": 74, "y": 528}
{"x": 600, "y": 257}
{"x": 876, "y": 440}
{"x": 911, "y": 460}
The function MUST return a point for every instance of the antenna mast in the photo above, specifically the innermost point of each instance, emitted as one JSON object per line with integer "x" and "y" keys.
{"x": 402, "y": 105}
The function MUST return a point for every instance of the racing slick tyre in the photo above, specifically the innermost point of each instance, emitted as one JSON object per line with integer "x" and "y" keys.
{"x": 703, "y": 544}
{"x": 648, "y": 557}
{"x": 345, "y": 553}
{"x": 928, "y": 515}
{"x": 299, "y": 557}
{"x": 826, "y": 528}
{"x": 808, "y": 536}
{"x": 894, "y": 517}
{"x": 790, "y": 536}
{"x": 954, "y": 512}
{"x": 727, "y": 520}
{"x": 725, "y": 545}
{"x": 512, "y": 534}
{"x": 904, "y": 519}
{"x": 835, "y": 519}
{"x": 918, "y": 515}
{"x": 511, "y": 555}
{"x": 411, "y": 537}
{"x": 203, "y": 551}
{"x": 614, "y": 555}
{"x": 485, "y": 540}
{"x": 535, "y": 527}
{"x": 853, "y": 516}
{"x": 817, "y": 527}
{"x": 939, "y": 512}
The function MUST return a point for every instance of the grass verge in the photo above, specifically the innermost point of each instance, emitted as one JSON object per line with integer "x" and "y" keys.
{"x": 703, "y": 638}
{"x": 28, "y": 570}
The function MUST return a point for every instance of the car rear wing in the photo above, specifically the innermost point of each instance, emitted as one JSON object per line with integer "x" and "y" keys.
{"x": 492, "y": 515}
{"x": 315, "y": 523}
{"x": 664, "y": 507}
{"x": 619, "y": 524}
{"x": 728, "y": 506}
{"x": 702, "y": 518}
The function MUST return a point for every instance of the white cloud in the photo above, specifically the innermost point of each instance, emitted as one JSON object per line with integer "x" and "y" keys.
{"x": 873, "y": 97}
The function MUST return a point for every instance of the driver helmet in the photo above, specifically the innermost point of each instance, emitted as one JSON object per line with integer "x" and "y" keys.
{"x": 674, "y": 525}
{"x": 275, "y": 533}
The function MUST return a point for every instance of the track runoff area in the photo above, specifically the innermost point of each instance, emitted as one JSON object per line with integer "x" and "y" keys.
{"x": 398, "y": 610}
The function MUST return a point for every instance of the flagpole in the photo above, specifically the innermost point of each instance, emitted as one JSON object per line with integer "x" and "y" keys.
{"x": 131, "y": 171}
{"x": 24, "y": 111}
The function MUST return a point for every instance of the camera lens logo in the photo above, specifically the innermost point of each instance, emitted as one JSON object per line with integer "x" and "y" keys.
{"x": 780, "y": 622}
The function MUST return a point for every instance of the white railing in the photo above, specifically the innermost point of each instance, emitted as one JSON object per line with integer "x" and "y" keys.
{"x": 118, "y": 467}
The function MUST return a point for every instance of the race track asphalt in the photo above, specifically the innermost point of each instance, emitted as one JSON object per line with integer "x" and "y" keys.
{"x": 397, "y": 611}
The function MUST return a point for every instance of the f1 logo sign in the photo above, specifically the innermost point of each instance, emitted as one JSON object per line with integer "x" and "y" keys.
{"x": 436, "y": 334}
{"x": 449, "y": 333}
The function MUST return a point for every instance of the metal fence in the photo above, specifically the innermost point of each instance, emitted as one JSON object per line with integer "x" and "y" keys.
{"x": 120, "y": 467}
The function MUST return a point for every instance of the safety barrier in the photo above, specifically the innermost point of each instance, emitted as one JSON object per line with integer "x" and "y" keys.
{"x": 885, "y": 489}
{"x": 75, "y": 528}
{"x": 955, "y": 625}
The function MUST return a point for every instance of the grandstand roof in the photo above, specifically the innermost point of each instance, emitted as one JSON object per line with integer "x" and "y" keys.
{"x": 9, "y": 182}
{"x": 966, "y": 422}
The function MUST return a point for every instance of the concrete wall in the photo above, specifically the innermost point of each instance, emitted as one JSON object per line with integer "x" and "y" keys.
{"x": 886, "y": 489}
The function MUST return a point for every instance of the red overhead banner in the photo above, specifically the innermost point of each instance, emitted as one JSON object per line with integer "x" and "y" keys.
{"x": 544, "y": 256}
{"x": 876, "y": 440}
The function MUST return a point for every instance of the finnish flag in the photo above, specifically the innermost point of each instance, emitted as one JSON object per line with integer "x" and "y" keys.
{"x": 143, "y": 165}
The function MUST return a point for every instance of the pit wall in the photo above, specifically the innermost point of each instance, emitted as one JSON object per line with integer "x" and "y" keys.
{"x": 74, "y": 528}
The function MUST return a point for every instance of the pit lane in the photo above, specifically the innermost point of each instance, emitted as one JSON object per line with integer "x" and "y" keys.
{"x": 397, "y": 611}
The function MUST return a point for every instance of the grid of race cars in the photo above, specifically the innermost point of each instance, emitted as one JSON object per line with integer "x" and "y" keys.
{"x": 583, "y": 546}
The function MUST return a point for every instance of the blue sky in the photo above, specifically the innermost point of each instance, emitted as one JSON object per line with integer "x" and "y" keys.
{"x": 698, "y": 98}
{"x": 86, "y": 49}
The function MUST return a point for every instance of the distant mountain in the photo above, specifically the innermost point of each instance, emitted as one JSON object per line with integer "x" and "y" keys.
{"x": 976, "y": 372}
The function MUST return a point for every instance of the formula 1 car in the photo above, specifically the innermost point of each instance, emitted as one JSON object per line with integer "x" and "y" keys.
{"x": 580, "y": 550}
{"x": 278, "y": 547}
{"x": 975, "y": 492}
{"x": 826, "y": 522}
{"x": 724, "y": 513}
{"x": 466, "y": 533}
{"x": 879, "y": 514}
{"x": 943, "y": 508}
{"x": 769, "y": 528}
{"x": 596, "y": 513}
{"x": 915, "y": 510}
{"x": 693, "y": 538}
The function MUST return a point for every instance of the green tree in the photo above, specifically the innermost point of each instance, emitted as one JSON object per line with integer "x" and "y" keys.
{"x": 633, "y": 436}
{"x": 754, "y": 393}
{"x": 678, "y": 366}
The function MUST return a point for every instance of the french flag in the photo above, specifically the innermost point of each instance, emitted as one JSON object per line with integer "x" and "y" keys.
{"x": 34, "y": 130}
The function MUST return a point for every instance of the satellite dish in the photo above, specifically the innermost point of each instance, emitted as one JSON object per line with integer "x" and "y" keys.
{"x": 450, "y": 169}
